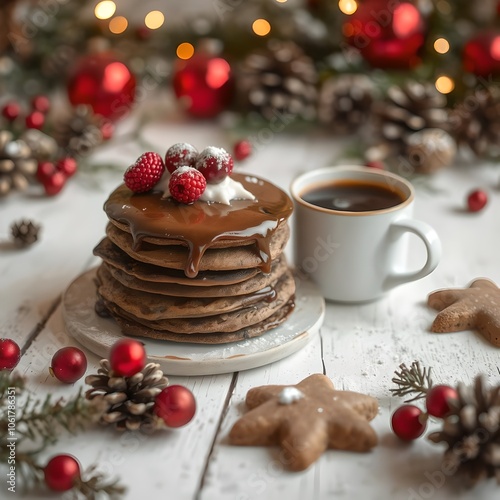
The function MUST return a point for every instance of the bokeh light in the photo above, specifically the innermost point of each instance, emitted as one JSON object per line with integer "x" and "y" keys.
{"x": 154, "y": 20}
{"x": 261, "y": 27}
{"x": 445, "y": 84}
{"x": 348, "y": 6}
{"x": 185, "y": 51}
{"x": 118, "y": 25}
{"x": 105, "y": 9}
{"x": 441, "y": 46}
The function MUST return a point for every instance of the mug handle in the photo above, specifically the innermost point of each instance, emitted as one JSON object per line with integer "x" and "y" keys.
{"x": 432, "y": 243}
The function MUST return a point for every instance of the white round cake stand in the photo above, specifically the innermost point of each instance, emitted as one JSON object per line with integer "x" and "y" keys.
{"x": 99, "y": 334}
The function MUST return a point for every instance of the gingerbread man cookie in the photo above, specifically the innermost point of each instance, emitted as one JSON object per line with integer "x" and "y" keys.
{"x": 306, "y": 419}
{"x": 477, "y": 306}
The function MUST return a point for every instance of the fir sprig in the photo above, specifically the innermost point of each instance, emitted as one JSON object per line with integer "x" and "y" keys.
{"x": 93, "y": 485}
{"x": 415, "y": 381}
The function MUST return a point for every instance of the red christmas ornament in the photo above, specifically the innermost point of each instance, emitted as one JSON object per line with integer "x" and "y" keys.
{"x": 204, "y": 84}
{"x": 481, "y": 54}
{"x": 69, "y": 364}
{"x": 61, "y": 472}
{"x": 378, "y": 165}
{"x": 176, "y": 405}
{"x": 54, "y": 183}
{"x": 388, "y": 34}
{"x": 242, "y": 149}
{"x": 68, "y": 166}
{"x": 35, "y": 120}
{"x": 438, "y": 398}
{"x": 11, "y": 110}
{"x": 45, "y": 170}
{"x": 127, "y": 357}
{"x": 10, "y": 354}
{"x": 477, "y": 200}
{"x": 41, "y": 103}
{"x": 408, "y": 422}
{"x": 104, "y": 83}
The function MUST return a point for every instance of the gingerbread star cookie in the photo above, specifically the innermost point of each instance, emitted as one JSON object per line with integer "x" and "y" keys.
{"x": 306, "y": 419}
{"x": 476, "y": 307}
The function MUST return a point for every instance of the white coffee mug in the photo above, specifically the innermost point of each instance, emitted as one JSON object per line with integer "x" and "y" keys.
{"x": 358, "y": 256}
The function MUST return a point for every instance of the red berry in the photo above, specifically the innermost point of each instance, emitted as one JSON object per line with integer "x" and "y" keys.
{"x": 186, "y": 185}
{"x": 215, "y": 164}
{"x": 54, "y": 183}
{"x": 242, "y": 150}
{"x": 107, "y": 130}
{"x": 45, "y": 170}
{"x": 41, "y": 103}
{"x": 10, "y": 354}
{"x": 61, "y": 472}
{"x": 143, "y": 175}
{"x": 180, "y": 155}
{"x": 176, "y": 405}
{"x": 69, "y": 364}
{"x": 35, "y": 120}
{"x": 127, "y": 357}
{"x": 11, "y": 110}
{"x": 408, "y": 422}
{"x": 68, "y": 166}
{"x": 438, "y": 400}
{"x": 477, "y": 200}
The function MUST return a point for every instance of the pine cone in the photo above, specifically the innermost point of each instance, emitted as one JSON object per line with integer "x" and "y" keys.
{"x": 476, "y": 122}
{"x": 79, "y": 133}
{"x": 414, "y": 107}
{"x": 345, "y": 102}
{"x": 129, "y": 400}
{"x": 472, "y": 433}
{"x": 280, "y": 79}
{"x": 24, "y": 232}
{"x": 17, "y": 166}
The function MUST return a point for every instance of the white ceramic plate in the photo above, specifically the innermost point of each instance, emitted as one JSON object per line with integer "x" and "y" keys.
{"x": 98, "y": 334}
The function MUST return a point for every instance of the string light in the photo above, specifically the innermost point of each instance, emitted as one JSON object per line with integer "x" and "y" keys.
{"x": 445, "y": 84}
{"x": 261, "y": 27}
{"x": 118, "y": 25}
{"x": 185, "y": 51}
{"x": 105, "y": 9}
{"x": 441, "y": 46}
{"x": 281, "y": 1}
{"x": 348, "y": 6}
{"x": 154, "y": 20}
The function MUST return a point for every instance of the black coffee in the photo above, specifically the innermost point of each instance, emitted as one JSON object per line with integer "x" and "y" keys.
{"x": 354, "y": 196}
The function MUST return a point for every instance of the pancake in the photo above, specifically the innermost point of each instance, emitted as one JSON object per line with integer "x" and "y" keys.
{"x": 177, "y": 257}
{"x": 250, "y": 285}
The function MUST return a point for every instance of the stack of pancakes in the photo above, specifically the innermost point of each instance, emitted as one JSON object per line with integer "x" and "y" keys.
{"x": 200, "y": 273}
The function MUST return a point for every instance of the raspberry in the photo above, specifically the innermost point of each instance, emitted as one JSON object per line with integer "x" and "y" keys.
{"x": 187, "y": 185}
{"x": 180, "y": 155}
{"x": 215, "y": 164}
{"x": 144, "y": 173}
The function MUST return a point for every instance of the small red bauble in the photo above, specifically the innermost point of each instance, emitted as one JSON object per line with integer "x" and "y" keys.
{"x": 41, "y": 103}
{"x": 104, "y": 83}
{"x": 242, "y": 149}
{"x": 215, "y": 164}
{"x": 204, "y": 84}
{"x": 180, "y": 155}
{"x": 10, "y": 354}
{"x": 477, "y": 200}
{"x": 387, "y": 34}
{"x": 45, "y": 170}
{"x": 61, "y": 472}
{"x": 127, "y": 357}
{"x": 11, "y": 111}
{"x": 68, "y": 166}
{"x": 481, "y": 54}
{"x": 69, "y": 364}
{"x": 54, "y": 183}
{"x": 408, "y": 422}
{"x": 35, "y": 120}
{"x": 176, "y": 405}
{"x": 438, "y": 398}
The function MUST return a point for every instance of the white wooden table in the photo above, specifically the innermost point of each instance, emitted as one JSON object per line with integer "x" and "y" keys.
{"x": 359, "y": 346}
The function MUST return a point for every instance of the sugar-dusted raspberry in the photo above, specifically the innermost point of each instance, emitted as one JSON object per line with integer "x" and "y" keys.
{"x": 144, "y": 173}
{"x": 180, "y": 155}
{"x": 215, "y": 164}
{"x": 187, "y": 185}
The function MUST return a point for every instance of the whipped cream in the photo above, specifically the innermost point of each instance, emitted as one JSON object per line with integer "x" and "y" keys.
{"x": 223, "y": 192}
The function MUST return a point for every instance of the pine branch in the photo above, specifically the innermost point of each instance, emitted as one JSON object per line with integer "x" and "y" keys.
{"x": 94, "y": 486}
{"x": 8, "y": 380}
{"x": 412, "y": 381}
